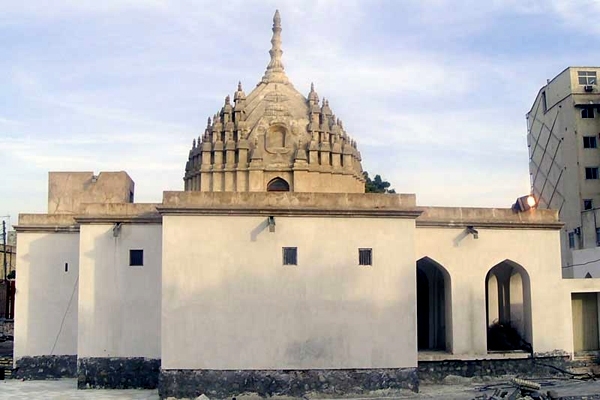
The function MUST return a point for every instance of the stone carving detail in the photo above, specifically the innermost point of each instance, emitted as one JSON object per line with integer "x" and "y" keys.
{"x": 274, "y": 129}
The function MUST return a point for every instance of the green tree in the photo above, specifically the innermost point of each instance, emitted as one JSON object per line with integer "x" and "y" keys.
{"x": 376, "y": 185}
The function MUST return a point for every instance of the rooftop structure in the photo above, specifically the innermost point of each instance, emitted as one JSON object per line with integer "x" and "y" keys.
{"x": 274, "y": 139}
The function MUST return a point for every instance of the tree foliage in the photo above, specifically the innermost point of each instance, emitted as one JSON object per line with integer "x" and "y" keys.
{"x": 376, "y": 185}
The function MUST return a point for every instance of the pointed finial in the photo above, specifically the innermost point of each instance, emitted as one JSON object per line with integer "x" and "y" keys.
{"x": 227, "y": 99}
{"x": 208, "y": 122}
{"x": 239, "y": 86}
{"x": 274, "y": 71}
{"x": 194, "y": 144}
{"x": 312, "y": 87}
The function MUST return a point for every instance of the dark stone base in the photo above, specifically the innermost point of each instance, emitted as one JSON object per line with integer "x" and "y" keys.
{"x": 117, "y": 373}
{"x": 294, "y": 383}
{"x": 46, "y": 367}
{"x": 436, "y": 371}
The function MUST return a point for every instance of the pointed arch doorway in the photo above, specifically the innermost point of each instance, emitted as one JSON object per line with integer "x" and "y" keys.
{"x": 434, "y": 306}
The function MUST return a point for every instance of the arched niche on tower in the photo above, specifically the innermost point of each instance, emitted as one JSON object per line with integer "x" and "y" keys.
{"x": 276, "y": 138}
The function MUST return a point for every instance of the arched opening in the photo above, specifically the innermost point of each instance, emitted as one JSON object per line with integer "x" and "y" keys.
{"x": 434, "y": 306}
{"x": 508, "y": 298}
{"x": 278, "y": 185}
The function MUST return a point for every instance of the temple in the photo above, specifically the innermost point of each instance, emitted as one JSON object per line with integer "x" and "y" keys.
{"x": 272, "y": 273}
{"x": 274, "y": 139}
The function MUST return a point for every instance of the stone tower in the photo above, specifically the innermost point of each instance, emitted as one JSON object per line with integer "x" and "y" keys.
{"x": 274, "y": 139}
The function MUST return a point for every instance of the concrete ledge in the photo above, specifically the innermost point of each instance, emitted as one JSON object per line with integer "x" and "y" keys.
{"x": 293, "y": 383}
{"x": 506, "y": 218}
{"x": 436, "y": 371}
{"x": 46, "y": 367}
{"x": 117, "y": 373}
{"x": 302, "y": 200}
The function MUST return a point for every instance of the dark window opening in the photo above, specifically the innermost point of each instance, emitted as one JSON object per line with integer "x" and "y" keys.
{"x": 544, "y": 103}
{"x": 597, "y": 236}
{"x": 365, "y": 256}
{"x": 290, "y": 256}
{"x": 588, "y": 204}
{"x": 587, "y": 113}
{"x": 130, "y": 196}
{"x": 571, "y": 240}
{"x": 591, "y": 173}
{"x": 136, "y": 257}
{"x": 588, "y": 275}
{"x": 278, "y": 185}
{"x": 590, "y": 142}
{"x": 66, "y": 267}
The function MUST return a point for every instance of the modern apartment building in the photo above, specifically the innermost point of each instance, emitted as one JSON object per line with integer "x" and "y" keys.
{"x": 563, "y": 135}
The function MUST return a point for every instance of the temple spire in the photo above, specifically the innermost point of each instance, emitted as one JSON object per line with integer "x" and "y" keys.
{"x": 274, "y": 72}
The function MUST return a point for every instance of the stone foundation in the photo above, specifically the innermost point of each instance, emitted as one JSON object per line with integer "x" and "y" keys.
{"x": 46, "y": 367}
{"x": 436, "y": 371}
{"x": 117, "y": 373}
{"x": 6, "y": 365}
{"x": 293, "y": 383}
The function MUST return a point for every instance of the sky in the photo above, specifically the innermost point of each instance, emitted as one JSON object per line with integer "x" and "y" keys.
{"x": 435, "y": 92}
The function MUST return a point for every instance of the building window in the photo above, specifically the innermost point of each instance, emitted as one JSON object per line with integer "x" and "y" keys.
{"x": 365, "y": 256}
{"x": 290, "y": 256}
{"x": 136, "y": 258}
{"x": 597, "y": 236}
{"x": 66, "y": 267}
{"x": 590, "y": 142}
{"x": 544, "y": 103}
{"x": 591, "y": 173}
{"x": 588, "y": 204}
{"x": 571, "y": 240}
{"x": 587, "y": 113}
{"x": 278, "y": 185}
{"x": 587, "y": 77}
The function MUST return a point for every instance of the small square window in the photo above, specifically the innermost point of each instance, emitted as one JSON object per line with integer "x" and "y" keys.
{"x": 590, "y": 142}
{"x": 591, "y": 173}
{"x": 365, "y": 256}
{"x": 136, "y": 258}
{"x": 588, "y": 204}
{"x": 587, "y": 113}
{"x": 290, "y": 256}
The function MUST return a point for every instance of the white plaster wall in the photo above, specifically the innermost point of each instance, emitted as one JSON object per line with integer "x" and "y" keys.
{"x": 468, "y": 261}
{"x": 45, "y": 294}
{"x": 229, "y": 303}
{"x": 119, "y": 304}
{"x": 586, "y": 260}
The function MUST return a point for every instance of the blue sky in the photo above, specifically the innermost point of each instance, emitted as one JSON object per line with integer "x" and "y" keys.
{"x": 435, "y": 92}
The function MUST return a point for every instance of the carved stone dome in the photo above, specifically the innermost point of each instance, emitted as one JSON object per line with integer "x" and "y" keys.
{"x": 274, "y": 139}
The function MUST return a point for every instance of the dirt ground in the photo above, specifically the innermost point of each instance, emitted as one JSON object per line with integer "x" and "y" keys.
{"x": 454, "y": 388}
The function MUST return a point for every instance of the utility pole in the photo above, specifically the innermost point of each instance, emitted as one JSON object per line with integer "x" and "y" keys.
{"x": 4, "y": 248}
{"x": 6, "y": 283}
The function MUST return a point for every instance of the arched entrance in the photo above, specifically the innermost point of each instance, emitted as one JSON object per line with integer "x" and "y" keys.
{"x": 508, "y": 298}
{"x": 278, "y": 185}
{"x": 434, "y": 306}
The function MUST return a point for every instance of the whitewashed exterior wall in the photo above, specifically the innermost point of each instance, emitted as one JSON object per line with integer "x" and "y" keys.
{"x": 229, "y": 303}
{"x": 119, "y": 304}
{"x": 468, "y": 261}
{"x": 46, "y": 294}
